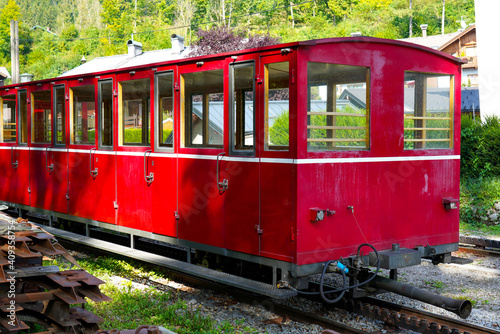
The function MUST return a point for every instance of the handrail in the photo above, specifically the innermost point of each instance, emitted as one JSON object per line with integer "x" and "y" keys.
{"x": 14, "y": 164}
{"x": 222, "y": 186}
{"x": 149, "y": 178}
{"x": 93, "y": 172}
{"x": 49, "y": 168}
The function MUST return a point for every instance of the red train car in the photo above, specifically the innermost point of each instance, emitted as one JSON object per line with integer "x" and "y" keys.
{"x": 284, "y": 156}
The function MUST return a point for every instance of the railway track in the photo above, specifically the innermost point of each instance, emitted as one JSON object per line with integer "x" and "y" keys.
{"x": 394, "y": 316}
{"x": 480, "y": 246}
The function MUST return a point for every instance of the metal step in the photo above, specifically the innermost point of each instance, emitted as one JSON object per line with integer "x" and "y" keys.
{"x": 176, "y": 265}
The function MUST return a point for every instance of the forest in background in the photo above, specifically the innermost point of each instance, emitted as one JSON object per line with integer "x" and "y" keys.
{"x": 55, "y": 34}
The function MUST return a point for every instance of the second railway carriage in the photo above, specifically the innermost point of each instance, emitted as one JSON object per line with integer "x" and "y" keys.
{"x": 284, "y": 156}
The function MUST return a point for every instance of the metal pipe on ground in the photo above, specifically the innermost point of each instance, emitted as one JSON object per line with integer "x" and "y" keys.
{"x": 462, "y": 308}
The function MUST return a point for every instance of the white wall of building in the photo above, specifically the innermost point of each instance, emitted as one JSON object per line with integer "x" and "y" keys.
{"x": 488, "y": 51}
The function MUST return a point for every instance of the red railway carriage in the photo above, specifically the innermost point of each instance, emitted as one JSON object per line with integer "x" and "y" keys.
{"x": 286, "y": 156}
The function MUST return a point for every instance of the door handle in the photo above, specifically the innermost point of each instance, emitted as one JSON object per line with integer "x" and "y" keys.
{"x": 93, "y": 172}
{"x": 149, "y": 178}
{"x": 49, "y": 168}
{"x": 222, "y": 186}
{"x": 16, "y": 163}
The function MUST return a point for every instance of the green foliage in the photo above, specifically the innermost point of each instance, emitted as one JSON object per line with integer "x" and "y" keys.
{"x": 480, "y": 147}
{"x": 477, "y": 198}
{"x": 94, "y": 28}
{"x": 279, "y": 132}
{"x": 131, "y": 307}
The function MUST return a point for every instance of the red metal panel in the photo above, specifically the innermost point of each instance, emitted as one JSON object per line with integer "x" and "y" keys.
{"x": 92, "y": 197}
{"x": 241, "y": 203}
{"x": 15, "y": 182}
{"x": 392, "y": 202}
{"x": 277, "y": 198}
{"x": 164, "y": 194}
{"x": 134, "y": 194}
{"x": 201, "y": 207}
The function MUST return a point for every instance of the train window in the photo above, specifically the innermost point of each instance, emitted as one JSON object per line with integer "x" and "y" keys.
{"x": 242, "y": 107}
{"x": 105, "y": 112}
{"x": 134, "y": 112}
{"x": 203, "y": 108}
{"x": 23, "y": 116}
{"x": 277, "y": 98}
{"x": 41, "y": 117}
{"x": 83, "y": 114}
{"x": 60, "y": 115}
{"x": 428, "y": 111}
{"x": 164, "y": 84}
{"x": 8, "y": 119}
{"x": 338, "y": 107}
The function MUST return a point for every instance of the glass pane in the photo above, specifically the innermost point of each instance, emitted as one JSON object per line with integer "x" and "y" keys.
{"x": 338, "y": 108}
{"x": 277, "y": 106}
{"x": 135, "y": 112}
{"x": 83, "y": 115}
{"x": 41, "y": 117}
{"x": 60, "y": 114}
{"x": 428, "y": 111}
{"x": 243, "y": 103}
{"x": 165, "y": 105}
{"x": 23, "y": 111}
{"x": 204, "y": 108}
{"x": 8, "y": 133}
{"x": 106, "y": 113}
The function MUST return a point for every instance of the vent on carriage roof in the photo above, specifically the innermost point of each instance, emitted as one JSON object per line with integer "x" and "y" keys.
{"x": 177, "y": 44}
{"x": 134, "y": 48}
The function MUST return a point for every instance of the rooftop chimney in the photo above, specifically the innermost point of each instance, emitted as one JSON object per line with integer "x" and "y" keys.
{"x": 83, "y": 60}
{"x": 424, "y": 30}
{"x": 177, "y": 44}
{"x": 134, "y": 48}
{"x": 26, "y": 77}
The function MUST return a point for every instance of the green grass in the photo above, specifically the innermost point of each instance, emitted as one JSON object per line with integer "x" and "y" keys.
{"x": 477, "y": 198}
{"x": 130, "y": 308}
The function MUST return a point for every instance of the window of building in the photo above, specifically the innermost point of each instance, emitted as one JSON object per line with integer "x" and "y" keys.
{"x": 23, "y": 116}
{"x": 428, "y": 111}
{"x": 83, "y": 114}
{"x": 134, "y": 103}
{"x": 41, "y": 117}
{"x": 203, "y": 108}
{"x": 60, "y": 115}
{"x": 338, "y": 107}
{"x": 8, "y": 119}
{"x": 164, "y": 84}
{"x": 277, "y": 99}
{"x": 105, "y": 106}
{"x": 242, "y": 116}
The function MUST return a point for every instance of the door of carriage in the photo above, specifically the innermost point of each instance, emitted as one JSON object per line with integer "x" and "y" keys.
{"x": 240, "y": 167}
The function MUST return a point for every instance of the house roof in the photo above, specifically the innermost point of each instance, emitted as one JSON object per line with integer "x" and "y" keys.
{"x": 4, "y": 73}
{"x": 433, "y": 42}
{"x": 458, "y": 36}
{"x": 470, "y": 99}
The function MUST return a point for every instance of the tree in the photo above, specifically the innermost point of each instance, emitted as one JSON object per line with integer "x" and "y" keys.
{"x": 11, "y": 11}
{"x": 222, "y": 39}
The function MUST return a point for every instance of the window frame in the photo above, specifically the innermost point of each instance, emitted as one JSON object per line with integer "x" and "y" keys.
{"x": 451, "y": 113}
{"x": 231, "y": 128}
{"x": 54, "y": 115}
{"x": 6, "y": 93}
{"x": 185, "y": 101}
{"x": 126, "y": 77}
{"x": 20, "y": 128}
{"x": 31, "y": 112}
{"x": 100, "y": 117}
{"x": 157, "y": 146}
{"x": 368, "y": 81}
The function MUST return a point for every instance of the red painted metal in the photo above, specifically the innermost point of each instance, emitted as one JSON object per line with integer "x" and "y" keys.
{"x": 382, "y": 195}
